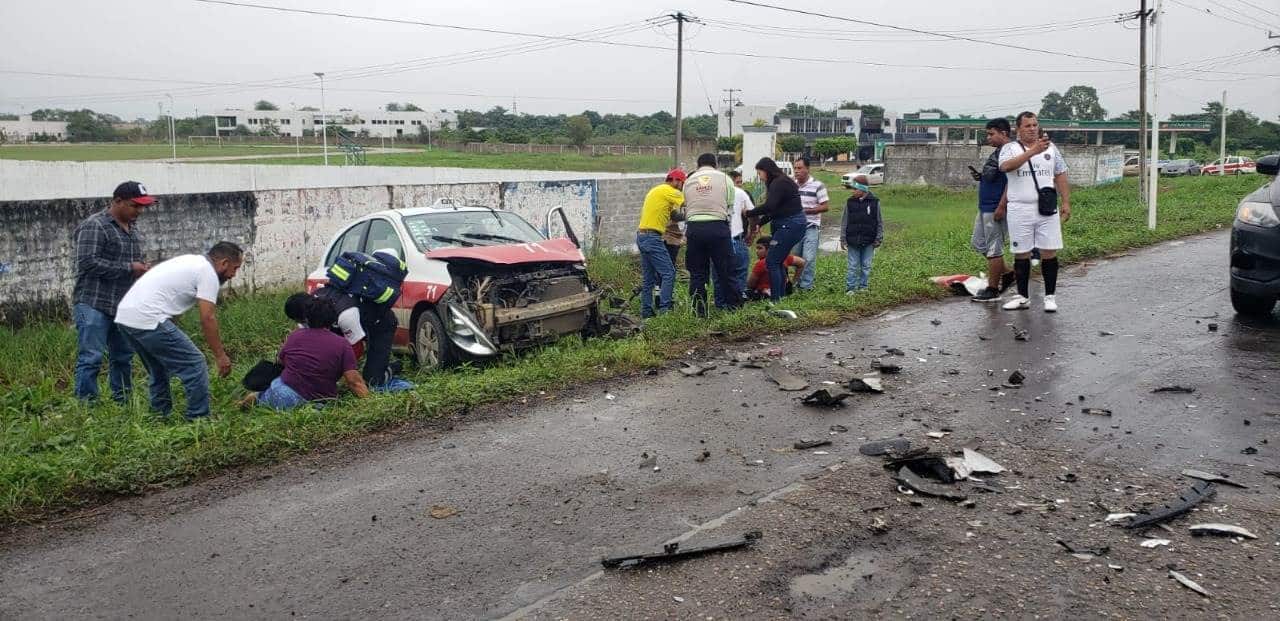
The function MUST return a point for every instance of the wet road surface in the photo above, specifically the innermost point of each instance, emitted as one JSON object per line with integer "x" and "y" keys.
{"x": 544, "y": 490}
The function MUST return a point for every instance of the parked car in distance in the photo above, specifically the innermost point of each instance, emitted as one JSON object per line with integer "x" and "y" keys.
{"x": 874, "y": 173}
{"x": 1178, "y": 168}
{"x": 481, "y": 281}
{"x": 1255, "y": 246}
{"x": 1235, "y": 165}
{"x": 1131, "y": 165}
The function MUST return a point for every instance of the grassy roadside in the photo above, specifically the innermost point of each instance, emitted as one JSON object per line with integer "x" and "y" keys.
{"x": 526, "y": 161}
{"x": 108, "y": 152}
{"x": 55, "y": 452}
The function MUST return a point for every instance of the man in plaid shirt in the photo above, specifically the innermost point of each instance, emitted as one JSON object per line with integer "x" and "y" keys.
{"x": 108, "y": 260}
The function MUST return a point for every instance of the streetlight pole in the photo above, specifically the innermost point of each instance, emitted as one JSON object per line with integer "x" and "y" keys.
{"x": 324, "y": 121}
{"x": 173, "y": 134}
{"x": 1222, "y": 139}
{"x": 1153, "y": 169}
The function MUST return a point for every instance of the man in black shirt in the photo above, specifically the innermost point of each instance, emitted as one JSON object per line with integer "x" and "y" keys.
{"x": 108, "y": 259}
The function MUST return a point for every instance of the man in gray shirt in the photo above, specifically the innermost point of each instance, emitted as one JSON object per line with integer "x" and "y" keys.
{"x": 708, "y": 203}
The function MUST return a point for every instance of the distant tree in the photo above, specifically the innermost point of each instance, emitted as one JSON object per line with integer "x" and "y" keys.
{"x": 408, "y": 107}
{"x": 791, "y": 143}
{"x": 267, "y": 127}
{"x": 263, "y": 104}
{"x": 1053, "y": 107}
{"x": 87, "y": 126}
{"x": 241, "y": 130}
{"x": 579, "y": 129}
{"x": 8, "y": 117}
{"x": 729, "y": 143}
{"x": 834, "y": 145}
{"x": 309, "y": 109}
{"x": 794, "y": 109}
{"x": 392, "y": 107}
{"x": 700, "y": 127}
{"x": 1082, "y": 103}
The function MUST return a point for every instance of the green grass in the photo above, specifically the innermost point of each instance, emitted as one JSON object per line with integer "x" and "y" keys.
{"x": 55, "y": 452}
{"x": 106, "y": 152}
{"x": 529, "y": 161}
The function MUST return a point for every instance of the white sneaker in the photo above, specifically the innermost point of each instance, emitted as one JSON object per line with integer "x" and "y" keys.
{"x": 1017, "y": 303}
{"x": 1050, "y": 304}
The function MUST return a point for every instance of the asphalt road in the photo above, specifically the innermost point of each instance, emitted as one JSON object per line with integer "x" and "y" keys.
{"x": 544, "y": 489}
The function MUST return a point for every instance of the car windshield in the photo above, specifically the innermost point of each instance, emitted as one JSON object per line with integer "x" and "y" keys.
{"x": 466, "y": 229}
{"x": 868, "y": 169}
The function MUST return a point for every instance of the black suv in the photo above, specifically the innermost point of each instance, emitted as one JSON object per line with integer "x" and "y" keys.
{"x": 1255, "y": 246}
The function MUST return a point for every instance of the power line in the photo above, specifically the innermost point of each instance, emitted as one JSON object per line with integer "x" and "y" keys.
{"x": 927, "y": 32}
{"x": 1242, "y": 14}
{"x": 875, "y": 36}
{"x": 1250, "y": 4}
{"x": 1217, "y": 15}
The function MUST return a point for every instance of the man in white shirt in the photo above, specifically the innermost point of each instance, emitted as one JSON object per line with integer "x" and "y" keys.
{"x": 1031, "y": 163}
{"x": 145, "y": 316}
{"x": 814, "y": 200}
{"x": 738, "y": 230}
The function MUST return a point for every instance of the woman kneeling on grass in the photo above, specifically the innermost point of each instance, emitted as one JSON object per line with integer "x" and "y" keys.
{"x": 314, "y": 358}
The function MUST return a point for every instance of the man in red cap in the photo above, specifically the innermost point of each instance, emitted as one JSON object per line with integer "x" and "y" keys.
{"x": 108, "y": 258}
{"x": 656, "y": 267}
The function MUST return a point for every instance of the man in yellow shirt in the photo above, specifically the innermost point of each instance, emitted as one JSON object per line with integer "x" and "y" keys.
{"x": 656, "y": 267}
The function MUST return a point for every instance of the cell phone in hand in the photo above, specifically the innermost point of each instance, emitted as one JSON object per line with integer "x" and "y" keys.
{"x": 973, "y": 172}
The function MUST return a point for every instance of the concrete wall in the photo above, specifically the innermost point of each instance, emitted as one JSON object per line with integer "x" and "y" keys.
{"x": 31, "y": 180}
{"x": 947, "y": 165}
{"x": 284, "y": 231}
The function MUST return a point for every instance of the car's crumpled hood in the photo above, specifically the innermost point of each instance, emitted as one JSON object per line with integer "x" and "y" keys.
{"x": 551, "y": 250}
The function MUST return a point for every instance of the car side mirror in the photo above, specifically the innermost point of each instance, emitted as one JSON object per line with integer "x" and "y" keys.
{"x": 1269, "y": 165}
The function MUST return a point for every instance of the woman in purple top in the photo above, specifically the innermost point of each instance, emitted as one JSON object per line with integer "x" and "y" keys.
{"x": 314, "y": 359}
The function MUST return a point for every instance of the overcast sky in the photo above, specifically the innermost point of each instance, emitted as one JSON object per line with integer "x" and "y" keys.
{"x": 204, "y": 54}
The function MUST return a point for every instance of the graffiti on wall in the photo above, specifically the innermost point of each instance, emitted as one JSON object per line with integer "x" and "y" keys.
{"x": 532, "y": 200}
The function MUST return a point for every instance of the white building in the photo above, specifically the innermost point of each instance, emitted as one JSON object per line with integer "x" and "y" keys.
{"x": 25, "y": 130}
{"x": 377, "y": 123}
{"x": 743, "y": 116}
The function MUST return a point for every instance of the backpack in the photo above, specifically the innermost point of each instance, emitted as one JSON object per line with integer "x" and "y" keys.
{"x": 374, "y": 279}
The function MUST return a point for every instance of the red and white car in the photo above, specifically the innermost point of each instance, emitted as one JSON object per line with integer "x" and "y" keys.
{"x": 1236, "y": 165}
{"x": 481, "y": 281}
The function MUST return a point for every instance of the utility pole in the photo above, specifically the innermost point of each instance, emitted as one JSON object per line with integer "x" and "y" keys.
{"x": 1222, "y": 139}
{"x": 731, "y": 102}
{"x": 1142, "y": 98}
{"x": 173, "y": 133}
{"x": 324, "y": 121}
{"x": 680, "y": 19}
{"x": 1153, "y": 176}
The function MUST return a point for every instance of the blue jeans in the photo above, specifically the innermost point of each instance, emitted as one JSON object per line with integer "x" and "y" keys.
{"x": 98, "y": 335}
{"x": 166, "y": 351}
{"x": 787, "y": 232}
{"x": 279, "y": 396}
{"x": 741, "y": 260}
{"x": 809, "y": 252}
{"x": 858, "y": 273}
{"x": 655, "y": 269}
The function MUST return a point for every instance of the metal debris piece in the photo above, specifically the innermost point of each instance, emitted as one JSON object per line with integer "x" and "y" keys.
{"x": 1249, "y": 450}
{"x": 648, "y": 461}
{"x": 1106, "y": 333}
{"x": 1017, "y": 378}
{"x": 441, "y": 512}
{"x": 802, "y": 444}
{"x": 894, "y": 351}
{"x": 703, "y": 456}
{"x": 1019, "y": 334}
{"x": 1212, "y": 478}
{"x": 1116, "y": 517}
{"x": 937, "y": 435}
{"x": 866, "y": 384}
{"x": 1225, "y": 530}
{"x": 673, "y": 552}
{"x": 1155, "y": 543}
{"x": 936, "y": 322}
{"x": 693, "y": 369}
{"x": 1197, "y": 494}
{"x": 886, "y": 368}
{"x": 823, "y": 397}
{"x": 839, "y": 428}
{"x": 1090, "y": 551}
{"x": 973, "y": 462}
{"x": 1096, "y": 411}
{"x": 891, "y": 446}
{"x": 1182, "y": 389}
{"x": 878, "y": 526}
{"x": 909, "y": 479}
{"x": 784, "y": 379}
{"x": 1067, "y": 478}
{"x": 1213, "y": 327}
{"x": 1188, "y": 582}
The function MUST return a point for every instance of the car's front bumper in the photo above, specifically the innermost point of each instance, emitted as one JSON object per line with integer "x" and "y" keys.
{"x": 1255, "y": 259}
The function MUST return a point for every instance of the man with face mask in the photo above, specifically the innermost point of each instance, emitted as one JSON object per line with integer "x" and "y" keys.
{"x": 164, "y": 292}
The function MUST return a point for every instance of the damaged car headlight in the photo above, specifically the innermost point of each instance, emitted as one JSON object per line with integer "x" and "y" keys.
{"x": 1257, "y": 214}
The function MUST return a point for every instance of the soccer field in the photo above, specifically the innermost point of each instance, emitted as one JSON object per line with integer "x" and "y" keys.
{"x": 107, "y": 152}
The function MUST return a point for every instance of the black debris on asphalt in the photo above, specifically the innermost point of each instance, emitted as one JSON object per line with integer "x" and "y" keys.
{"x": 1193, "y": 496}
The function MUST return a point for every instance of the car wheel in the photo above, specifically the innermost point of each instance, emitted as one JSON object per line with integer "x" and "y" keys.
{"x": 431, "y": 347}
{"x": 1252, "y": 305}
